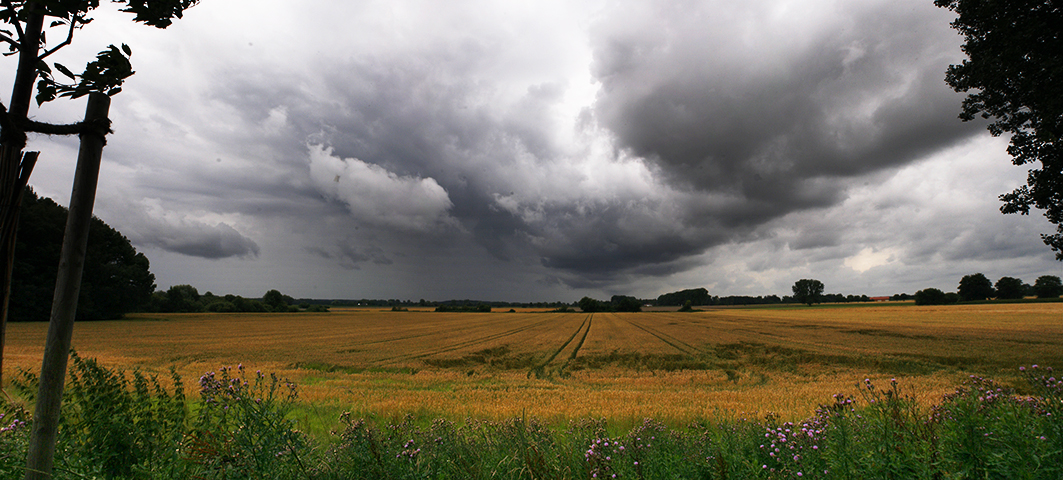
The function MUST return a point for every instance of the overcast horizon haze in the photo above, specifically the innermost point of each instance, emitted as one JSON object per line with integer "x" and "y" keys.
{"x": 545, "y": 151}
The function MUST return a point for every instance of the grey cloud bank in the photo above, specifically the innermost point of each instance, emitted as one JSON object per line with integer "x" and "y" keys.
{"x": 549, "y": 150}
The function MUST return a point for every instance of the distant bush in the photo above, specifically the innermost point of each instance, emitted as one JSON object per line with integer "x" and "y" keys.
{"x": 1048, "y": 286}
{"x": 186, "y": 299}
{"x": 481, "y": 308}
{"x": 618, "y": 303}
{"x": 931, "y": 296}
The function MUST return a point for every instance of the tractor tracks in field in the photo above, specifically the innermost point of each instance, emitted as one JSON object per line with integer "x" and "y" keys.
{"x": 540, "y": 370}
{"x": 575, "y": 351}
{"x": 666, "y": 338}
{"x": 459, "y": 345}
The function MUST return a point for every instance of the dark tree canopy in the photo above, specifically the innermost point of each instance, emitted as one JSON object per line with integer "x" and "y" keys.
{"x": 116, "y": 279}
{"x": 618, "y": 303}
{"x": 275, "y": 300}
{"x": 808, "y": 291}
{"x": 696, "y": 296}
{"x": 975, "y": 287}
{"x": 588, "y": 304}
{"x": 931, "y": 296}
{"x": 625, "y": 303}
{"x": 1010, "y": 288}
{"x": 1015, "y": 70}
{"x": 181, "y": 299}
{"x": 1048, "y": 286}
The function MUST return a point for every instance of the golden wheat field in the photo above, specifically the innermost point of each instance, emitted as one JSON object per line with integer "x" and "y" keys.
{"x": 557, "y": 366}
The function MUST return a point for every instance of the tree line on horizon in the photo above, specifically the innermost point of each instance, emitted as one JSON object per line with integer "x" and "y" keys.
{"x": 699, "y": 297}
{"x": 977, "y": 287}
{"x": 117, "y": 279}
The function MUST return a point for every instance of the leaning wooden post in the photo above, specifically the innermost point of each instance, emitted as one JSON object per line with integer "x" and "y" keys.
{"x": 67, "y": 286}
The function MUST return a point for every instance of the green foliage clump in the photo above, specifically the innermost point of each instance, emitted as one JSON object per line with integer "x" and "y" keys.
{"x": 116, "y": 279}
{"x": 241, "y": 428}
{"x": 932, "y": 296}
{"x": 113, "y": 427}
{"x": 808, "y": 291}
{"x": 14, "y": 439}
{"x": 1013, "y": 75}
{"x": 694, "y": 296}
{"x": 1048, "y": 286}
{"x": 1010, "y": 288}
{"x": 618, "y": 303}
{"x": 975, "y": 287}
{"x": 186, "y": 299}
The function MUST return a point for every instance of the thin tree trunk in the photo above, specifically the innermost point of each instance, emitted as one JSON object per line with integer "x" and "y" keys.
{"x": 9, "y": 234}
{"x": 64, "y": 304}
{"x": 13, "y": 165}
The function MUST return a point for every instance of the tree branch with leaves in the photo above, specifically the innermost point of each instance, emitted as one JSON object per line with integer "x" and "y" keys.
{"x": 1014, "y": 73}
{"x": 24, "y": 28}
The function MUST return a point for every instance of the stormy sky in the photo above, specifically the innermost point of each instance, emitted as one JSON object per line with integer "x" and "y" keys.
{"x": 547, "y": 150}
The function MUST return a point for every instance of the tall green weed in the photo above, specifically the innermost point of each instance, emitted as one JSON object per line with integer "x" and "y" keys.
{"x": 116, "y": 425}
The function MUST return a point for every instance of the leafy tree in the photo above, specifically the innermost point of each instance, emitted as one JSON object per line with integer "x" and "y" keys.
{"x": 808, "y": 291}
{"x": 696, "y": 296}
{"x": 182, "y": 299}
{"x": 624, "y": 303}
{"x": 275, "y": 301}
{"x": 1016, "y": 72}
{"x": 1009, "y": 288}
{"x": 116, "y": 279}
{"x": 975, "y": 287}
{"x": 1048, "y": 286}
{"x": 26, "y": 24}
{"x": 588, "y": 304}
{"x": 930, "y": 296}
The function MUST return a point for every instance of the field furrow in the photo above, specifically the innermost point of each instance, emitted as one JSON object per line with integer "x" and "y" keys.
{"x": 575, "y": 351}
{"x": 557, "y": 352}
{"x": 620, "y": 365}
{"x": 676, "y": 343}
{"x": 434, "y": 348}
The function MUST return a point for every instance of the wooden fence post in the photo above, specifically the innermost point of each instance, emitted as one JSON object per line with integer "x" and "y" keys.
{"x": 67, "y": 286}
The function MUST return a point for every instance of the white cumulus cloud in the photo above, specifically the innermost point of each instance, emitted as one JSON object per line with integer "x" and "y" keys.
{"x": 378, "y": 197}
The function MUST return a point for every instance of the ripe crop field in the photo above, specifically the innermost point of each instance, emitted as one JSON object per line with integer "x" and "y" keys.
{"x": 670, "y": 366}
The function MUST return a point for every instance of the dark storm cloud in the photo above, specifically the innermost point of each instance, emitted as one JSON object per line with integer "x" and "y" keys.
{"x": 197, "y": 239}
{"x": 422, "y": 119}
{"x": 349, "y": 256}
{"x": 733, "y": 129}
{"x": 716, "y": 120}
{"x": 768, "y": 115}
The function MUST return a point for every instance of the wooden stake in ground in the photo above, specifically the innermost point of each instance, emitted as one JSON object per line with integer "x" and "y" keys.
{"x": 67, "y": 286}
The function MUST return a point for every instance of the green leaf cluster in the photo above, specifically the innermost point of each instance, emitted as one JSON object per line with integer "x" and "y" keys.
{"x": 116, "y": 278}
{"x": 111, "y": 67}
{"x": 1014, "y": 76}
{"x": 105, "y": 75}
